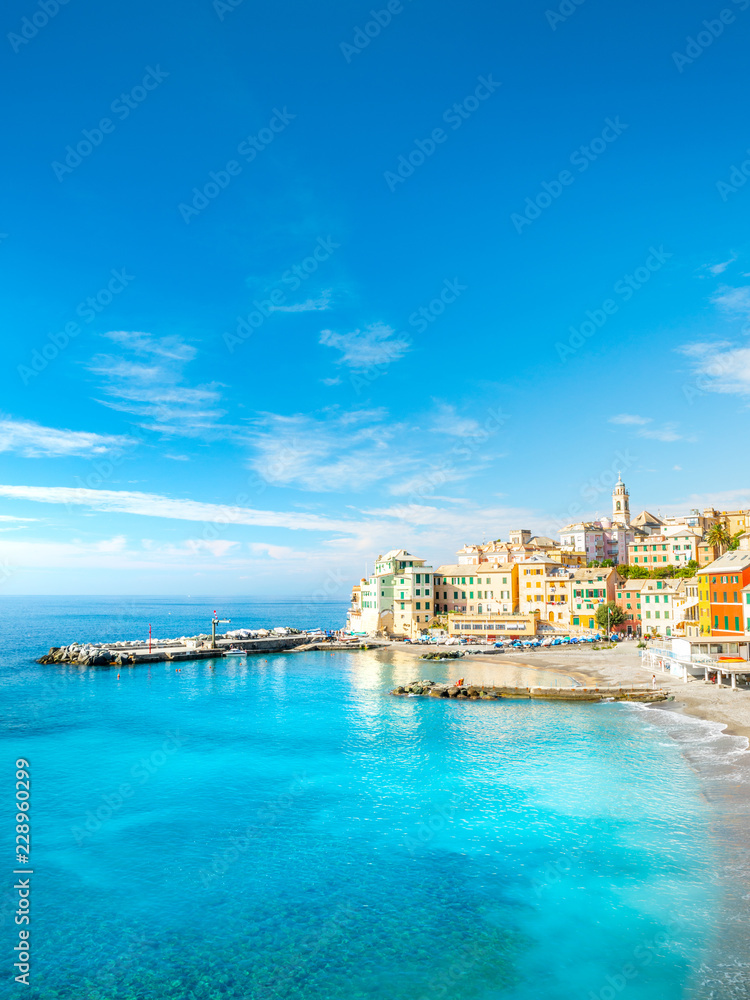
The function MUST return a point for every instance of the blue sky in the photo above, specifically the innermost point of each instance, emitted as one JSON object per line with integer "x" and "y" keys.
{"x": 276, "y": 300}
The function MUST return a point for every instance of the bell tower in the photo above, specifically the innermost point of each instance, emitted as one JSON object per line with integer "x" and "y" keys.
{"x": 620, "y": 502}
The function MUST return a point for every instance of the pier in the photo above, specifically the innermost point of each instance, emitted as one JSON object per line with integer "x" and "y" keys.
{"x": 119, "y": 654}
{"x": 483, "y": 692}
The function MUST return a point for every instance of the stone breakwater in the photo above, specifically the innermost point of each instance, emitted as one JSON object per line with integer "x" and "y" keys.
{"x": 483, "y": 692}
{"x": 200, "y": 648}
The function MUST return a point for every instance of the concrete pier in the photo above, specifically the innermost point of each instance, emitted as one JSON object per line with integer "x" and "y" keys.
{"x": 118, "y": 654}
{"x": 483, "y": 692}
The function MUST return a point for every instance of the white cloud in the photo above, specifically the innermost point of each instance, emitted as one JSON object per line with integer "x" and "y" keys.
{"x": 735, "y": 301}
{"x": 154, "y": 389}
{"x": 154, "y": 505}
{"x": 629, "y": 418}
{"x": 667, "y": 433}
{"x": 35, "y": 441}
{"x": 720, "y": 268}
{"x": 331, "y": 381}
{"x": 721, "y": 367}
{"x": 172, "y": 348}
{"x": 116, "y": 544}
{"x": 377, "y": 344}
{"x": 217, "y": 547}
{"x": 449, "y": 421}
{"x": 178, "y": 458}
{"x": 279, "y": 552}
{"x": 343, "y": 451}
{"x": 9, "y": 517}
{"x": 321, "y": 304}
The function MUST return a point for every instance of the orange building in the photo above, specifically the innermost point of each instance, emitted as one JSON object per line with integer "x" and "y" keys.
{"x": 628, "y": 598}
{"x": 721, "y": 586}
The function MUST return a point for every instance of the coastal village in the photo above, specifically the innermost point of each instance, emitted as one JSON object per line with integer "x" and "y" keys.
{"x": 682, "y": 577}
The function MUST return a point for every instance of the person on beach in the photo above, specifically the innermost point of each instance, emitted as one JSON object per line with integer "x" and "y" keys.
{"x": 653, "y": 680}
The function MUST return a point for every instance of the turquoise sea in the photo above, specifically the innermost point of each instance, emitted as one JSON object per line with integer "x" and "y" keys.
{"x": 280, "y": 827}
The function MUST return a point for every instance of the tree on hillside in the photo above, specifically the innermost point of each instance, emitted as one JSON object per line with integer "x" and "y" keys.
{"x": 592, "y": 564}
{"x": 719, "y": 536}
{"x": 688, "y": 570}
{"x": 638, "y": 573}
{"x": 659, "y": 572}
{"x": 734, "y": 542}
{"x": 625, "y": 571}
{"x": 611, "y": 614}
{"x": 606, "y": 562}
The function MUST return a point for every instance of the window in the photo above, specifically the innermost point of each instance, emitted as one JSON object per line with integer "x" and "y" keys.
{"x": 427, "y": 605}
{"x": 726, "y": 623}
{"x": 419, "y": 578}
{"x": 463, "y": 595}
{"x": 419, "y": 607}
{"x": 455, "y": 595}
{"x": 427, "y": 578}
{"x": 648, "y": 614}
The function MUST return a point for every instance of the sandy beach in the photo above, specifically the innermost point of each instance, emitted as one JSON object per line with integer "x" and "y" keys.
{"x": 620, "y": 666}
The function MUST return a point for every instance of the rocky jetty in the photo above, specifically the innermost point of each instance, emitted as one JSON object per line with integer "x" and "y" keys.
{"x": 483, "y": 692}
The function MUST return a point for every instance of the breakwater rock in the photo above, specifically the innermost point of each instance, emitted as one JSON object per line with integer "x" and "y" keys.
{"x": 483, "y": 692}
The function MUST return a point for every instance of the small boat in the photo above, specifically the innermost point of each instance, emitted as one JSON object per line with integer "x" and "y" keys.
{"x": 234, "y": 652}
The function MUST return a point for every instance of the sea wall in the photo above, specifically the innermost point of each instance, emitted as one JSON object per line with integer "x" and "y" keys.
{"x": 476, "y": 692}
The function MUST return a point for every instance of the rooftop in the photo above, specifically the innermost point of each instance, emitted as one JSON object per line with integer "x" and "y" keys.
{"x": 738, "y": 559}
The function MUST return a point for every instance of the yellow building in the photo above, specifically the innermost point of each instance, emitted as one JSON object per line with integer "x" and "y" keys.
{"x": 544, "y": 589}
{"x": 492, "y": 626}
{"x": 476, "y": 589}
{"x": 704, "y": 604}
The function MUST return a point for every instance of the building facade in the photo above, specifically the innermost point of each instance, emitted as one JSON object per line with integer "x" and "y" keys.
{"x": 397, "y": 599}
{"x": 722, "y": 599}
{"x": 661, "y": 603}
{"x": 607, "y": 538}
{"x": 476, "y": 588}
{"x": 628, "y": 599}
{"x": 544, "y": 589}
{"x": 590, "y": 588}
{"x": 675, "y": 546}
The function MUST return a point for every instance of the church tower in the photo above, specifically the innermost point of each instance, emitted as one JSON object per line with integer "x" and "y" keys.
{"x": 620, "y": 502}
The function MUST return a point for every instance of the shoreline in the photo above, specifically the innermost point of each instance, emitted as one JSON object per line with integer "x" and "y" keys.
{"x": 621, "y": 667}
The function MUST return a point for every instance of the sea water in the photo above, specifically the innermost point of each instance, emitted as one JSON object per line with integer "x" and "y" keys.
{"x": 280, "y": 826}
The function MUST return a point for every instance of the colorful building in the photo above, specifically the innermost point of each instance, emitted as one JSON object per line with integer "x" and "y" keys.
{"x": 476, "y": 588}
{"x": 544, "y": 589}
{"x": 492, "y": 627}
{"x": 397, "y": 599}
{"x": 661, "y": 601}
{"x": 722, "y": 593}
{"x": 675, "y": 546}
{"x": 589, "y": 588}
{"x": 606, "y": 538}
{"x": 628, "y": 599}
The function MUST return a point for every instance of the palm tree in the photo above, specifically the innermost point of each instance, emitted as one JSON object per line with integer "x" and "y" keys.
{"x": 718, "y": 536}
